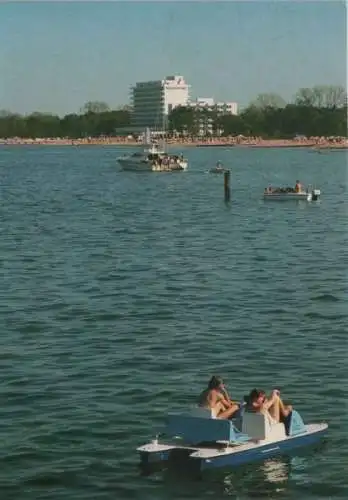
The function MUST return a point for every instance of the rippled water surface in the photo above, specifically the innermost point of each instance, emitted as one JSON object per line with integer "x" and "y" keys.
{"x": 122, "y": 293}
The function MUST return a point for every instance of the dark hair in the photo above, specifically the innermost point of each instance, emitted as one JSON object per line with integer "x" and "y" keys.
{"x": 215, "y": 382}
{"x": 255, "y": 394}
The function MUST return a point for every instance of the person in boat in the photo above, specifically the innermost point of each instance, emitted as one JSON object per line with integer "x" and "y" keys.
{"x": 217, "y": 399}
{"x": 298, "y": 187}
{"x": 273, "y": 407}
{"x": 219, "y": 165}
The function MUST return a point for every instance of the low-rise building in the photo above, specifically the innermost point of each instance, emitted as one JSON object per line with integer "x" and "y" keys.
{"x": 220, "y": 107}
{"x": 208, "y": 106}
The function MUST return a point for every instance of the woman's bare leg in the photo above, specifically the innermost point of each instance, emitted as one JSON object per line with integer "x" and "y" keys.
{"x": 285, "y": 410}
{"x": 270, "y": 401}
{"x": 274, "y": 409}
{"x": 277, "y": 408}
{"x": 218, "y": 409}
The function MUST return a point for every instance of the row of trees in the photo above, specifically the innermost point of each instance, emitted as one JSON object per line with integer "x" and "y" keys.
{"x": 319, "y": 111}
{"x": 95, "y": 119}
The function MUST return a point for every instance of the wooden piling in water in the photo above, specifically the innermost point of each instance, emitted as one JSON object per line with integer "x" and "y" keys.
{"x": 227, "y": 188}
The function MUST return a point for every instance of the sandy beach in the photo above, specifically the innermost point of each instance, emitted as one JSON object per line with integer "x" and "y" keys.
{"x": 254, "y": 142}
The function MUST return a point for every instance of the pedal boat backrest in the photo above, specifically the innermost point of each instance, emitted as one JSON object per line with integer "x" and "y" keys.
{"x": 259, "y": 427}
{"x": 200, "y": 412}
{"x": 200, "y": 425}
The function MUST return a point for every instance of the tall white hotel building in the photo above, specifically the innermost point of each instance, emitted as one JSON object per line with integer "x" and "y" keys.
{"x": 152, "y": 101}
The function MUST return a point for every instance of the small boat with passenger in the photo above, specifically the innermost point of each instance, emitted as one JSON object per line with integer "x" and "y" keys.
{"x": 290, "y": 193}
{"x": 200, "y": 440}
{"x": 218, "y": 169}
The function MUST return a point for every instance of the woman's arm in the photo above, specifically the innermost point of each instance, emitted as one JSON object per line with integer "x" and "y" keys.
{"x": 213, "y": 399}
{"x": 225, "y": 394}
{"x": 226, "y": 400}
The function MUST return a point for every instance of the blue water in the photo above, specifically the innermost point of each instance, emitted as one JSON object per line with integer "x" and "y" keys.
{"x": 121, "y": 294}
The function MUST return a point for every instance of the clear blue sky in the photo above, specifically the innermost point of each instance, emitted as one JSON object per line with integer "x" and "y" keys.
{"x": 55, "y": 56}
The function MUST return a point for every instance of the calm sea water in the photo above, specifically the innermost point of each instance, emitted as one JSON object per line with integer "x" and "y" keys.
{"x": 121, "y": 294}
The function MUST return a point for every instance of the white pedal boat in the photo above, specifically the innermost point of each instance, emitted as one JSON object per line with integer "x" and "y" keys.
{"x": 199, "y": 440}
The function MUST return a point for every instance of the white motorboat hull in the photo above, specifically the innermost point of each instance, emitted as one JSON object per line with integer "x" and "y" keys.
{"x": 178, "y": 167}
{"x": 288, "y": 196}
{"x": 134, "y": 166}
{"x": 279, "y": 196}
{"x": 128, "y": 164}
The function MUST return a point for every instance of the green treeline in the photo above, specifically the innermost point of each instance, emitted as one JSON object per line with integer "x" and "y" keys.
{"x": 319, "y": 111}
{"x": 89, "y": 123}
{"x": 269, "y": 122}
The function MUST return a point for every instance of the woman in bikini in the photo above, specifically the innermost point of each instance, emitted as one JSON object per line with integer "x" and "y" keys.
{"x": 272, "y": 407}
{"x": 216, "y": 398}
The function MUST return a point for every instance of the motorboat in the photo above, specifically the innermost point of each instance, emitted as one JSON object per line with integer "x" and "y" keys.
{"x": 289, "y": 193}
{"x": 152, "y": 159}
{"x": 202, "y": 441}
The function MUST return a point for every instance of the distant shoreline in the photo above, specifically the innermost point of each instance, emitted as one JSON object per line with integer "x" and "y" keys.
{"x": 315, "y": 144}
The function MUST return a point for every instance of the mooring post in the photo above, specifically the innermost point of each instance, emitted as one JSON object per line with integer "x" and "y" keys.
{"x": 227, "y": 188}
